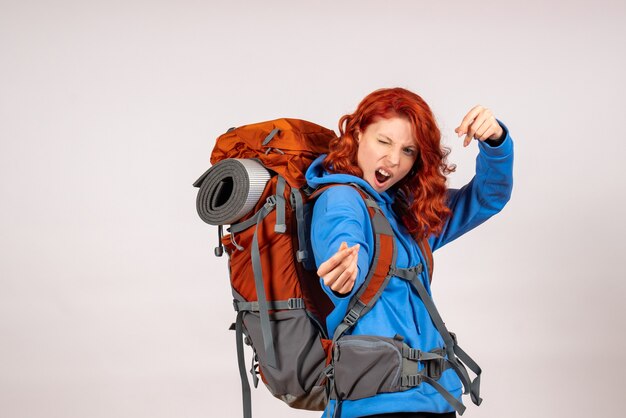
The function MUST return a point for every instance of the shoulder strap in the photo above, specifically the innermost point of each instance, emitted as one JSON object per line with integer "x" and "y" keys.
{"x": 428, "y": 256}
{"x": 378, "y": 276}
{"x": 383, "y": 259}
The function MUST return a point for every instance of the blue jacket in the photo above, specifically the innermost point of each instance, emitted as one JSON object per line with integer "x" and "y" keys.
{"x": 340, "y": 215}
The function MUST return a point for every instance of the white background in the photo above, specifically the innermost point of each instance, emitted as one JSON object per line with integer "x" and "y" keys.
{"x": 111, "y": 301}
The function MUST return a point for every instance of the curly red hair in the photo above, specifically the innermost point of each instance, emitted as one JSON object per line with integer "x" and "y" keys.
{"x": 421, "y": 195}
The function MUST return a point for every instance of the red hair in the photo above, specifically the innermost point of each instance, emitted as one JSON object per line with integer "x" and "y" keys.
{"x": 421, "y": 195}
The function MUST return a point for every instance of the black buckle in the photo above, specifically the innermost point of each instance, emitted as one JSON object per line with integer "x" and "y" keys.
{"x": 414, "y": 354}
{"x": 271, "y": 200}
{"x": 307, "y": 190}
{"x": 412, "y": 380}
{"x": 418, "y": 269}
{"x": 295, "y": 303}
{"x": 351, "y": 317}
{"x": 434, "y": 368}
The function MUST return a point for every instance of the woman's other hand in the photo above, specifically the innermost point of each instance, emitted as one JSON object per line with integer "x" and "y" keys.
{"x": 479, "y": 123}
{"x": 339, "y": 271}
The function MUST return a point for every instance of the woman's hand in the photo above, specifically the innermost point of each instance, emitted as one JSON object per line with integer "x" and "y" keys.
{"x": 479, "y": 123}
{"x": 340, "y": 270}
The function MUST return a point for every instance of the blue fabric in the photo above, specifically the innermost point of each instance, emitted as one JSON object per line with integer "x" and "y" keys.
{"x": 340, "y": 215}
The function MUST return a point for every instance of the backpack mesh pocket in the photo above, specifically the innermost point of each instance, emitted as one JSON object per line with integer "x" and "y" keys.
{"x": 300, "y": 355}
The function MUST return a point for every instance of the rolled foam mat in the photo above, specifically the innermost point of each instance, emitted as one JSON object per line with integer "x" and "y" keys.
{"x": 229, "y": 190}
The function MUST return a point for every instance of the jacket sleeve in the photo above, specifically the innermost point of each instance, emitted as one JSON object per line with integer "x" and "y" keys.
{"x": 484, "y": 196}
{"x": 340, "y": 215}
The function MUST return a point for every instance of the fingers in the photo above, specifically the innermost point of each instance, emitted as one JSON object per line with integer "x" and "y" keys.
{"x": 340, "y": 271}
{"x": 469, "y": 118}
{"x": 339, "y": 278}
{"x": 335, "y": 260}
{"x": 345, "y": 282}
{"x": 479, "y": 123}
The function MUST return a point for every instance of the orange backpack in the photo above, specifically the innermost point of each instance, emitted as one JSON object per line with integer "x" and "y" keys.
{"x": 281, "y": 307}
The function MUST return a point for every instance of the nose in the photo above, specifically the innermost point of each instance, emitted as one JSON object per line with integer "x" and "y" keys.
{"x": 393, "y": 157}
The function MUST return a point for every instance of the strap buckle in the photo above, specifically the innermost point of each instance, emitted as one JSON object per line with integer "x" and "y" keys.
{"x": 301, "y": 256}
{"x": 295, "y": 303}
{"x": 351, "y": 317}
{"x": 434, "y": 368}
{"x": 412, "y": 380}
{"x": 414, "y": 354}
{"x": 270, "y": 201}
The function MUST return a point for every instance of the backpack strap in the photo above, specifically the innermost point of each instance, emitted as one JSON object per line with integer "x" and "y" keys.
{"x": 378, "y": 275}
{"x": 298, "y": 203}
{"x": 245, "y": 385}
{"x": 428, "y": 256}
{"x": 280, "y": 227}
{"x": 456, "y": 357}
{"x": 275, "y": 202}
{"x": 266, "y": 330}
{"x": 434, "y": 365}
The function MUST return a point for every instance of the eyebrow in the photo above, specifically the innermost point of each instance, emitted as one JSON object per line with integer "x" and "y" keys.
{"x": 385, "y": 136}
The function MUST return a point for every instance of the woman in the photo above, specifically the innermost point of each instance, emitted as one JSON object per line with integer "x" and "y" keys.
{"x": 391, "y": 147}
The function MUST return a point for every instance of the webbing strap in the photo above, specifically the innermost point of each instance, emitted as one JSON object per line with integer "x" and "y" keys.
{"x": 475, "y": 385}
{"x": 253, "y": 370}
{"x": 280, "y": 226}
{"x": 291, "y": 303}
{"x": 409, "y": 273}
{"x": 337, "y": 412}
{"x": 472, "y": 387}
{"x": 298, "y": 203}
{"x": 349, "y": 320}
{"x": 434, "y": 366}
{"x": 410, "y": 379}
{"x": 240, "y": 226}
{"x": 269, "y": 136}
{"x": 456, "y": 404}
{"x": 266, "y": 330}
{"x": 245, "y": 385}
{"x": 419, "y": 355}
{"x": 329, "y": 371}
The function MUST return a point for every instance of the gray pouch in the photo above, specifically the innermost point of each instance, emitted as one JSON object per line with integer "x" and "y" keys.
{"x": 367, "y": 365}
{"x": 298, "y": 378}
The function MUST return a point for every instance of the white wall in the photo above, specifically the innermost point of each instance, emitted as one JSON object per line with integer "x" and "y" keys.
{"x": 111, "y": 301}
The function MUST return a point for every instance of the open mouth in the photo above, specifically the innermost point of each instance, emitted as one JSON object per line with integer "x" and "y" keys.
{"x": 382, "y": 176}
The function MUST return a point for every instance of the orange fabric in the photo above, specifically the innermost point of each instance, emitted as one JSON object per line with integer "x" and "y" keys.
{"x": 327, "y": 345}
{"x": 299, "y": 140}
{"x": 289, "y": 153}
{"x": 280, "y": 275}
{"x": 382, "y": 269}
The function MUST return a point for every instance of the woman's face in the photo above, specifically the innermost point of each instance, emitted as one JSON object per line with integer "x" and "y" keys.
{"x": 387, "y": 151}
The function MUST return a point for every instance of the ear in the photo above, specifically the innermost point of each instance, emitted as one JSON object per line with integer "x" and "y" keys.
{"x": 357, "y": 135}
